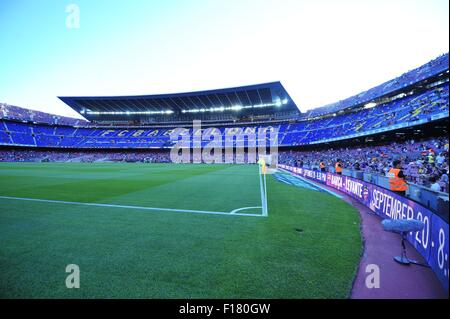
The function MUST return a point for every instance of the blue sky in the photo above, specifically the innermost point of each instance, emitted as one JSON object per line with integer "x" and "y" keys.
{"x": 322, "y": 51}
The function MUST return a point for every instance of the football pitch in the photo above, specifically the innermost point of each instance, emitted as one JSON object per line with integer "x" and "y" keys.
{"x": 170, "y": 231}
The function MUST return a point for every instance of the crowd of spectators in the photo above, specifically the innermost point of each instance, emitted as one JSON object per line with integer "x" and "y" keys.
{"x": 425, "y": 162}
{"x": 31, "y": 155}
{"x": 26, "y": 115}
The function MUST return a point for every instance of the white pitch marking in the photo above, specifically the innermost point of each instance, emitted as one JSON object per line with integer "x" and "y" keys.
{"x": 133, "y": 207}
{"x": 265, "y": 197}
{"x": 244, "y": 208}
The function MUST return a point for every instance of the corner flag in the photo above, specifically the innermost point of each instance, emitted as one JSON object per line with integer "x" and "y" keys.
{"x": 262, "y": 164}
{"x": 262, "y": 181}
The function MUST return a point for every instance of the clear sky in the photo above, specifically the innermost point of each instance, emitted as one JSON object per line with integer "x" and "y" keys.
{"x": 321, "y": 50}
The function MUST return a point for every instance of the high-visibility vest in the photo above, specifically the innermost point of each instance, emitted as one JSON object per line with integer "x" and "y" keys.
{"x": 338, "y": 168}
{"x": 396, "y": 183}
{"x": 322, "y": 165}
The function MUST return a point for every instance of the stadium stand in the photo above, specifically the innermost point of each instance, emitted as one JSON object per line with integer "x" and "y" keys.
{"x": 26, "y": 115}
{"x": 424, "y": 72}
{"x": 406, "y": 111}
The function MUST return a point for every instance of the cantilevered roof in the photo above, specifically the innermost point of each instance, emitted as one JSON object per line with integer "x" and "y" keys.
{"x": 267, "y": 96}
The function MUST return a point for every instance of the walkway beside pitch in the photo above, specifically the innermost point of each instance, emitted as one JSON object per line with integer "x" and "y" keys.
{"x": 396, "y": 281}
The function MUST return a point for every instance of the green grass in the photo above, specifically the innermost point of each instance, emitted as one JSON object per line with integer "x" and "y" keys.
{"x": 126, "y": 253}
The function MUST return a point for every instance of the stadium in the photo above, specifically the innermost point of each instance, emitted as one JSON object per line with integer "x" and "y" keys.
{"x": 229, "y": 193}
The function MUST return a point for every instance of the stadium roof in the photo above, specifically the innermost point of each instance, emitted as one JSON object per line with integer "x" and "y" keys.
{"x": 267, "y": 96}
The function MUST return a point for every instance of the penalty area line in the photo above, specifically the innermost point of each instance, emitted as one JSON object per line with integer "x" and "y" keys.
{"x": 155, "y": 209}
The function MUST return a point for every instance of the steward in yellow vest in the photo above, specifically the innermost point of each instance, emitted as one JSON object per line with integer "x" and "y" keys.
{"x": 397, "y": 181}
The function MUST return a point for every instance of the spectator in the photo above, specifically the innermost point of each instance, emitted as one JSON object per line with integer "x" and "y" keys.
{"x": 434, "y": 184}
